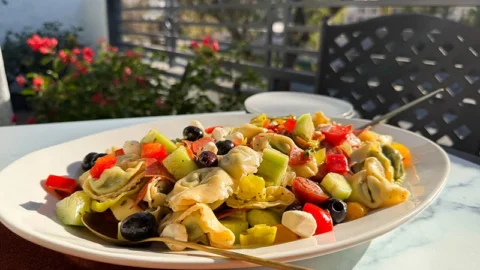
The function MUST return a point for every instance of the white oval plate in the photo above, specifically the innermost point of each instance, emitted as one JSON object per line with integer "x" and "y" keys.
{"x": 27, "y": 210}
{"x": 297, "y": 103}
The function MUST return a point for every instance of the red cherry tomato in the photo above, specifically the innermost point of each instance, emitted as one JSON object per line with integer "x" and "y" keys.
{"x": 336, "y": 134}
{"x": 289, "y": 125}
{"x": 298, "y": 157}
{"x": 337, "y": 163}
{"x": 154, "y": 150}
{"x": 103, "y": 163}
{"x": 322, "y": 217}
{"x": 308, "y": 191}
{"x": 60, "y": 186}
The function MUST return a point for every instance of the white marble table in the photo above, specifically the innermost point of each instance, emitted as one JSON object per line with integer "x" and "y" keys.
{"x": 445, "y": 236}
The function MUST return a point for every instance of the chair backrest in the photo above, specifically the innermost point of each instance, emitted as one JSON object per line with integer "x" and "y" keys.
{"x": 383, "y": 63}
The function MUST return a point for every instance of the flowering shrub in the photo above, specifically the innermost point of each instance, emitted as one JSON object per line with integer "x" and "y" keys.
{"x": 18, "y": 56}
{"x": 82, "y": 85}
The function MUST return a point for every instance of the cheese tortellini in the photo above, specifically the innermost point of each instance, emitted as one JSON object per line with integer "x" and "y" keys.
{"x": 206, "y": 185}
{"x": 273, "y": 196}
{"x": 240, "y": 161}
{"x": 372, "y": 189}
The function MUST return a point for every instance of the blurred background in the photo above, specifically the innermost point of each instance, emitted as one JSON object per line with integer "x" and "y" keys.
{"x": 269, "y": 45}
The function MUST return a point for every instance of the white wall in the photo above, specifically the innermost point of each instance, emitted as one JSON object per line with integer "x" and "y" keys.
{"x": 89, "y": 14}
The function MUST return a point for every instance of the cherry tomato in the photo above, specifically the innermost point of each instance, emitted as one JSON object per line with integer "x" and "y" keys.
{"x": 336, "y": 134}
{"x": 322, "y": 217}
{"x": 60, "y": 186}
{"x": 290, "y": 125}
{"x": 337, "y": 163}
{"x": 154, "y": 150}
{"x": 103, "y": 163}
{"x": 308, "y": 191}
{"x": 298, "y": 157}
{"x": 198, "y": 144}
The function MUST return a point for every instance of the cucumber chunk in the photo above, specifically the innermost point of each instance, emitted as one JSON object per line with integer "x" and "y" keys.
{"x": 155, "y": 136}
{"x": 267, "y": 217}
{"x": 304, "y": 127}
{"x": 71, "y": 209}
{"x": 337, "y": 186}
{"x": 273, "y": 167}
{"x": 179, "y": 163}
{"x": 237, "y": 226}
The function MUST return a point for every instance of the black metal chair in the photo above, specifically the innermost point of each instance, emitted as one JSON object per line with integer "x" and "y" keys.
{"x": 383, "y": 63}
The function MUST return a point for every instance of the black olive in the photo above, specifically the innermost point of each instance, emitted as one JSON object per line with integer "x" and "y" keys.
{"x": 87, "y": 160}
{"x": 139, "y": 226}
{"x": 294, "y": 206}
{"x": 224, "y": 146}
{"x": 337, "y": 209}
{"x": 192, "y": 133}
{"x": 90, "y": 159}
{"x": 207, "y": 159}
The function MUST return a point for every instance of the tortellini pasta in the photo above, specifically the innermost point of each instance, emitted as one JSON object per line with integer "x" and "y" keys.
{"x": 157, "y": 190}
{"x": 113, "y": 181}
{"x": 206, "y": 185}
{"x": 282, "y": 143}
{"x": 249, "y": 131}
{"x": 372, "y": 189}
{"x": 218, "y": 235}
{"x": 274, "y": 196}
{"x": 240, "y": 161}
{"x": 306, "y": 170}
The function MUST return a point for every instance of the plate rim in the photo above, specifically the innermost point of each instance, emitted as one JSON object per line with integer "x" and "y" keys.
{"x": 293, "y": 255}
{"x": 249, "y": 109}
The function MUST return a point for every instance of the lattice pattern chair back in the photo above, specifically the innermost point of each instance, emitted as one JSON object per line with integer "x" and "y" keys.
{"x": 383, "y": 63}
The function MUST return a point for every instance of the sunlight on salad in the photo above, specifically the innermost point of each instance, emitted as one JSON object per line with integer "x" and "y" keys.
{"x": 270, "y": 181}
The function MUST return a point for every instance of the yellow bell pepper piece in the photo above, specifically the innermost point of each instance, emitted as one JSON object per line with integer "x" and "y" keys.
{"x": 319, "y": 156}
{"x": 260, "y": 234}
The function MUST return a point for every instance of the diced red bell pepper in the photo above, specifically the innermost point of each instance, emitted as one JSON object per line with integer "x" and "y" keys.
{"x": 198, "y": 144}
{"x": 209, "y": 130}
{"x": 60, "y": 186}
{"x": 298, "y": 157}
{"x": 119, "y": 152}
{"x": 336, "y": 134}
{"x": 337, "y": 163}
{"x": 322, "y": 218}
{"x": 103, "y": 163}
{"x": 290, "y": 125}
{"x": 308, "y": 191}
{"x": 154, "y": 150}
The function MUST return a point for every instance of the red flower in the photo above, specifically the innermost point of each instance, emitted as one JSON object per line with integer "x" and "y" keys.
{"x": 131, "y": 53}
{"x": 88, "y": 54}
{"x": 101, "y": 40}
{"x": 159, "y": 102}
{"x": 20, "y": 80}
{"x": 31, "y": 120}
{"x": 141, "y": 82}
{"x": 127, "y": 71}
{"x": 82, "y": 69}
{"x": 207, "y": 40}
{"x": 43, "y": 45}
{"x": 76, "y": 51}
{"x": 37, "y": 83}
{"x": 14, "y": 118}
{"x": 99, "y": 99}
{"x": 113, "y": 49}
{"x": 215, "y": 46}
{"x": 63, "y": 56}
{"x": 194, "y": 44}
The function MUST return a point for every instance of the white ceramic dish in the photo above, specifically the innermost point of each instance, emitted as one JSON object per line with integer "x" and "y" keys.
{"x": 27, "y": 210}
{"x": 284, "y": 103}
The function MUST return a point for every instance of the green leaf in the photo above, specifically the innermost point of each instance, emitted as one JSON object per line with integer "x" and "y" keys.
{"x": 27, "y": 92}
{"x": 53, "y": 74}
{"x": 45, "y": 60}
